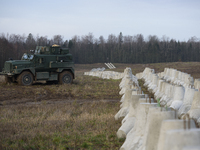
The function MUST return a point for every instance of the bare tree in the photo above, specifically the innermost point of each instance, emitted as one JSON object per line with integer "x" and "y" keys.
{"x": 42, "y": 41}
{"x": 58, "y": 39}
{"x": 30, "y": 42}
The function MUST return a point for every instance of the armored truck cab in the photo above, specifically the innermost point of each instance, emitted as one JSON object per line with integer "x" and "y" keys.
{"x": 47, "y": 63}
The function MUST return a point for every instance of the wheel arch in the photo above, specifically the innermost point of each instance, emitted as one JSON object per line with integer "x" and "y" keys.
{"x": 24, "y": 73}
{"x": 69, "y": 71}
{"x": 65, "y": 77}
{"x": 29, "y": 70}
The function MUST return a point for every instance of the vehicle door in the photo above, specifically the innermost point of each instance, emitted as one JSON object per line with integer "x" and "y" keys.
{"x": 40, "y": 63}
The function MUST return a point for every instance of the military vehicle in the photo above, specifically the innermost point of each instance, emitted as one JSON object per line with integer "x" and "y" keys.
{"x": 46, "y": 63}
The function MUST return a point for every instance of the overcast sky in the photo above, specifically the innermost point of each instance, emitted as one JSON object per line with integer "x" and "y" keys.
{"x": 176, "y": 19}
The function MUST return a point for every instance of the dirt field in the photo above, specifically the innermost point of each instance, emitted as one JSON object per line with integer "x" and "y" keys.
{"x": 83, "y": 88}
{"x": 77, "y": 116}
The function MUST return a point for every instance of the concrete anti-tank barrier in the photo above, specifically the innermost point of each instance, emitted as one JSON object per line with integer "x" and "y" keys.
{"x": 168, "y": 125}
{"x": 145, "y": 125}
{"x": 99, "y": 72}
{"x": 135, "y": 136}
{"x": 180, "y": 138}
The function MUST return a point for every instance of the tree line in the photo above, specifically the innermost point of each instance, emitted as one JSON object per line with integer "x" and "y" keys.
{"x": 115, "y": 49}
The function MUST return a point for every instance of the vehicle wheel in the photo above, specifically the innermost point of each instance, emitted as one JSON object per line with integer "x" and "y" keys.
{"x": 65, "y": 77}
{"x": 25, "y": 78}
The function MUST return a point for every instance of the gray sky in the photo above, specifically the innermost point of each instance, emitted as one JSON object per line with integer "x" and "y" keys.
{"x": 177, "y": 19}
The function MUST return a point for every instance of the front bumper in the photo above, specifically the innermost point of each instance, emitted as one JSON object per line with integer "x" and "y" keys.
{"x": 8, "y": 74}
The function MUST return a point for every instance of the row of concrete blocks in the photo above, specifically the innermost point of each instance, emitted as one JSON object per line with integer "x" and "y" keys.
{"x": 177, "y": 77}
{"x": 147, "y": 126}
{"x": 184, "y": 99}
{"x": 172, "y": 76}
{"x": 104, "y": 74}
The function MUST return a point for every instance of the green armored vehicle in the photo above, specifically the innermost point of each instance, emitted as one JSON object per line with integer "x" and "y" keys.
{"x": 47, "y": 63}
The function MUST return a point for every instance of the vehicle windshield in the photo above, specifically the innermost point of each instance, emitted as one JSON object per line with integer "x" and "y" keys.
{"x": 27, "y": 56}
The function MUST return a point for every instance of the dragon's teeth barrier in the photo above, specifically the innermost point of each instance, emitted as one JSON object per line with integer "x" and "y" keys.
{"x": 169, "y": 123}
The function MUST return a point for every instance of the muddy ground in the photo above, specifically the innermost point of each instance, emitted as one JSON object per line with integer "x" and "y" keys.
{"x": 84, "y": 89}
{"x": 81, "y": 90}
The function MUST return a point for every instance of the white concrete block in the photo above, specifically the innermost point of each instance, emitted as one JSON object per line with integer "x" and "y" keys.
{"x": 178, "y": 139}
{"x": 154, "y": 127}
{"x": 171, "y": 125}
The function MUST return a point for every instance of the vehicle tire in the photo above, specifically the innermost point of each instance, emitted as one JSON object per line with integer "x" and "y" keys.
{"x": 25, "y": 78}
{"x": 65, "y": 77}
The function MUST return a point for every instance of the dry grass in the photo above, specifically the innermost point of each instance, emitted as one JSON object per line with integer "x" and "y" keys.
{"x": 81, "y": 123}
{"x": 84, "y": 87}
{"x": 85, "y": 126}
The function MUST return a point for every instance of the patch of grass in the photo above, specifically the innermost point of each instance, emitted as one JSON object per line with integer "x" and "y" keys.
{"x": 158, "y": 100}
{"x": 86, "y": 126}
{"x": 84, "y": 87}
{"x": 144, "y": 89}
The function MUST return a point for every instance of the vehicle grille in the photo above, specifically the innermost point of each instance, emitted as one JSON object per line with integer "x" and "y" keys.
{"x": 7, "y": 67}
